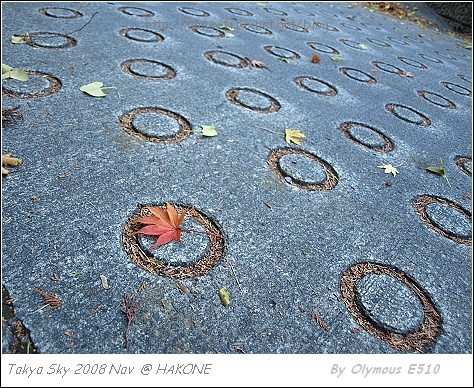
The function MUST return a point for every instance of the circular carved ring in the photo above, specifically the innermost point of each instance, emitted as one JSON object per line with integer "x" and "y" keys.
{"x": 148, "y": 262}
{"x": 126, "y": 68}
{"x": 460, "y": 162}
{"x": 126, "y": 122}
{"x": 420, "y": 204}
{"x": 54, "y": 82}
{"x": 331, "y": 175}
{"x": 233, "y": 93}
{"x": 427, "y": 331}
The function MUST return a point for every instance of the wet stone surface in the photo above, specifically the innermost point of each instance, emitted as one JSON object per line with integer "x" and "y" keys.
{"x": 299, "y": 231}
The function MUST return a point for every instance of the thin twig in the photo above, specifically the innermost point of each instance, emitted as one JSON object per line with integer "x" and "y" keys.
{"x": 27, "y": 38}
{"x": 83, "y": 25}
{"x": 269, "y": 130}
{"x": 232, "y": 268}
{"x": 41, "y": 308}
{"x": 143, "y": 253}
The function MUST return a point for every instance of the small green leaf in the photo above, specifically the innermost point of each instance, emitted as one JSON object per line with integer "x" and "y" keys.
{"x": 436, "y": 170}
{"x": 284, "y": 60}
{"x": 18, "y": 39}
{"x": 469, "y": 47}
{"x": 439, "y": 170}
{"x": 224, "y": 27}
{"x": 95, "y": 89}
{"x": 208, "y": 130}
{"x": 363, "y": 46}
{"x": 261, "y": 4}
{"x": 336, "y": 59}
{"x": 6, "y": 68}
{"x": 20, "y": 75}
{"x": 224, "y": 296}
{"x": 9, "y": 72}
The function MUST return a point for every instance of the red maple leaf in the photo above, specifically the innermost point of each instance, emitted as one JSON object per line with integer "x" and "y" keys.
{"x": 163, "y": 223}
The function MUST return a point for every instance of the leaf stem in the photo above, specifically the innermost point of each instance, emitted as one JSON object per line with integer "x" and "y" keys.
{"x": 201, "y": 232}
{"x": 269, "y": 130}
{"x": 232, "y": 268}
{"x": 447, "y": 179}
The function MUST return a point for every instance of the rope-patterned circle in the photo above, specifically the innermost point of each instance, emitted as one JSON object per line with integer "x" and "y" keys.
{"x": 241, "y": 61}
{"x": 127, "y": 68}
{"x": 232, "y": 96}
{"x": 392, "y": 108}
{"x": 420, "y": 204}
{"x": 436, "y": 99}
{"x": 460, "y": 161}
{"x": 346, "y": 130}
{"x": 55, "y": 85}
{"x": 427, "y": 331}
{"x": 126, "y": 122}
{"x": 145, "y": 260}
{"x": 327, "y": 184}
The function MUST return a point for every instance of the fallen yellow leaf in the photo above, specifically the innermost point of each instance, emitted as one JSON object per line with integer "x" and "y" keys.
{"x": 388, "y": 168}
{"x": 8, "y": 160}
{"x": 293, "y": 135}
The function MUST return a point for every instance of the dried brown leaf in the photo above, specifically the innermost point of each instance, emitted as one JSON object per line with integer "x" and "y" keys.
{"x": 11, "y": 116}
{"x": 319, "y": 320}
{"x": 237, "y": 347}
{"x": 51, "y": 299}
{"x": 54, "y": 278}
{"x": 260, "y": 64}
{"x": 182, "y": 288}
{"x": 315, "y": 58}
{"x": 130, "y": 306}
{"x": 8, "y": 160}
{"x": 103, "y": 280}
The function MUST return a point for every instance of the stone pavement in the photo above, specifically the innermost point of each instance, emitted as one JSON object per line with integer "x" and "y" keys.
{"x": 322, "y": 251}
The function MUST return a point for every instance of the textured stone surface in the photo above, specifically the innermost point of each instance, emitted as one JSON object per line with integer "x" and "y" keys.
{"x": 286, "y": 247}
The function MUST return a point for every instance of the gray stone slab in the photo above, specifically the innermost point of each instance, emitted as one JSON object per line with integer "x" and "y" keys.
{"x": 310, "y": 267}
